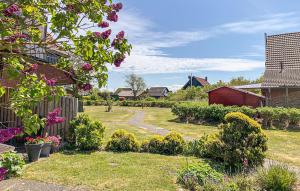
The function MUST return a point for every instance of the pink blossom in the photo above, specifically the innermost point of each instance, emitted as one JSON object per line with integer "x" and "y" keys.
{"x": 50, "y": 82}
{"x": 103, "y": 24}
{"x": 106, "y": 34}
{"x": 14, "y": 37}
{"x": 85, "y": 87}
{"x": 97, "y": 34}
{"x": 12, "y": 10}
{"x": 112, "y": 16}
{"x": 117, "y": 7}
{"x": 87, "y": 67}
{"x": 120, "y": 35}
{"x": 3, "y": 172}
{"x": 7, "y": 134}
{"x": 52, "y": 117}
{"x": 119, "y": 60}
{"x": 70, "y": 7}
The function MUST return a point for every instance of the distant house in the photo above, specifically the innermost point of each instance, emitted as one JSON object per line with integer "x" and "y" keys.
{"x": 281, "y": 85}
{"x": 125, "y": 93}
{"x": 196, "y": 82}
{"x": 229, "y": 96}
{"x": 158, "y": 92}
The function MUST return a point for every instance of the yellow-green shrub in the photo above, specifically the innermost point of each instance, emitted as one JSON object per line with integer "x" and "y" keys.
{"x": 122, "y": 141}
{"x": 173, "y": 143}
{"x": 156, "y": 144}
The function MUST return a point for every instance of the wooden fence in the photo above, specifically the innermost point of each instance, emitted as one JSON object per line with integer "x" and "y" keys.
{"x": 68, "y": 105}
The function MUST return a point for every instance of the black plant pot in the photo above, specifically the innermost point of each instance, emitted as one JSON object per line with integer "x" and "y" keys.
{"x": 54, "y": 149}
{"x": 46, "y": 150}
{"x": 33, "y": 151}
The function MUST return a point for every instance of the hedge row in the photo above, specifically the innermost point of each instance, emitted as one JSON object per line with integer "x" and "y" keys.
{"x": 278, "y": 117}
{"x": 131, "y": 103}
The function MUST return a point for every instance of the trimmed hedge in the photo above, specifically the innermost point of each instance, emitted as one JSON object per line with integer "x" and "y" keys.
{"x": 278, "y": 117}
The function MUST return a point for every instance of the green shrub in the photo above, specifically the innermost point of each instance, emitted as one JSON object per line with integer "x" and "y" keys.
{"x": 277, "y": 177}
{"x": 195, "y": 147}
{"x": 242, "y": 141}
{"x": 267, "y": 114}
{"x": 144, "y": 146}
{"x": 81, "y": 119}
{"x": 89, "y": 103}
{"x": 294, "y": 116}
{"x": 173, "y": 143}
{"x": 89, "y": 136}
{"x": 150, "y": 99}
{"x": 156, "y": 144}
{"x": 193, "y": 177}
{"x": 281, "y": 117}
{"x": 122, "y": 141}
{"x": 13, "y": 162}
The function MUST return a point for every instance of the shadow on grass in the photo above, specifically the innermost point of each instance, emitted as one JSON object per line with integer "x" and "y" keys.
{"x": 205, "y": 123}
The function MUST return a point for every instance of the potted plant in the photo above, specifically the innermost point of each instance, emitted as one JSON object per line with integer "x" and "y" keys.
{"x": 33, "y": 148}
{"x": 45, "y": 152}
{"x": 55, "y": 143}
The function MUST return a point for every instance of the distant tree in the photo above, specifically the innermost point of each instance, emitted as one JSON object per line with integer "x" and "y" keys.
{"x": 136, "y": 83}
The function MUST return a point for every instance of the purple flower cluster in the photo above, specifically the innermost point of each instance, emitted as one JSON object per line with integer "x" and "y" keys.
{"x": 106, "y": 34}
{"x": 112, "y": 16}
{"x": 50, "y": 82}
{"x": 53, "y": 118}
{"x": 97, "y": 34}
{"x": 85, "y": 87}
{"x": 3, "y": 172}
{"x": 14, "y": 37}
{"x": 7, "y": 134}
{"x": 117, "y": 7}
{"x": 103, "y": 24}
{"x": 87, "y": 67}
{"x": 118, "y": 61}
{"x": 120, "y": 35}
{"x": 12, "y": 10}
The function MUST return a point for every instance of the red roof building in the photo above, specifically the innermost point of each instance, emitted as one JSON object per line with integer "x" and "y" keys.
{"x": 229, "y": 96}
{"x": 196, "y": 82}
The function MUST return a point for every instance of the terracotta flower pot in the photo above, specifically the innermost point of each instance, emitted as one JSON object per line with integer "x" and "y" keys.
{"x": 46, "y": 150}
{"x": 33, "y": 151}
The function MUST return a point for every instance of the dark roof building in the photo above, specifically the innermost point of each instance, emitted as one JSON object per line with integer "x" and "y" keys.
{"x": 281, "y": 85}
{"x": 158, "y": 92}
{"x": 126, "y": 93}
{"x": 229, "y": 96}
{"x": 196, "y": 82}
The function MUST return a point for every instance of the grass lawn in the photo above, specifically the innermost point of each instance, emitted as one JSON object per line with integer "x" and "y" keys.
{"x": 109, "y": 171}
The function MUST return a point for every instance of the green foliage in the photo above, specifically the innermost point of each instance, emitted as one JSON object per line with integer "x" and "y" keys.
{"x": 2, "y": 91}
{"x": 193, "y": 177}
{"x": 190, "y": 94}
{"x": 243, "y": 142}
{"x": 122, "y": 141}
{"x": 150, "y": 99}
{"x": 144, "y": 146}
{"x": 13, "y": 162}
{"x": 173, "y": 143}
{"x": 156, "y": 144}
{"x": 85, "y": 133}
{"x": 140, "y": 103}
{"x": 277, "y": 177}
{"x": 267, "y": 114}
{"x": 294, "y": 116}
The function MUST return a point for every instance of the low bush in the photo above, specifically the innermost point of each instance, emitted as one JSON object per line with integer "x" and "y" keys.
{"x": 156, "y": 144}
{"x": 144, "y": 146}
{"x": 243, "y": 142}
{"x": 195, "y": 177}
{"x": 122, "y": 141}
{"x": 13, "y": 162}
{"x": 88, "y": 134}
{"x": 277, "y": 177}
{"x": 173, "y": 144}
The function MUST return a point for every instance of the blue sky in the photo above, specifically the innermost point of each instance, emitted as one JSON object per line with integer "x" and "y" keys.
{"x": 220, "y": 39}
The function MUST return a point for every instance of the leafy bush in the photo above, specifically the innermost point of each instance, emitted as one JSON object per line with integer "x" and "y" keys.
{"x": 144, "y": 146}
{"x": 173, "y": 144}
{"x": 149, "y": 99}
{"x": 85, "y": 133}
{"x": 277, "y": 177}
{"x": 122, "y": 141}
{"x": 267, "y": 114}
{"x": 281, "y": 117}
{"x": 156, "y": 144}
{"x": 294, "y": 116}
{"x": 13, "y": 162}
{"x": 242, "y": 141}
{"x": 193, "y": 177}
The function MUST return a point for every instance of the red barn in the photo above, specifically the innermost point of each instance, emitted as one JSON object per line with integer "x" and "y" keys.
{"x": 232, "y": 96}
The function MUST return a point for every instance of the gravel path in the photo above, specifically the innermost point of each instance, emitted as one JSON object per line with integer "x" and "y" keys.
{"x": 30, "y": 185}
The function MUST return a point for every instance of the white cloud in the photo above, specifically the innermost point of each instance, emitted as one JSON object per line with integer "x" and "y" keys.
{"x": 148, "y": 56}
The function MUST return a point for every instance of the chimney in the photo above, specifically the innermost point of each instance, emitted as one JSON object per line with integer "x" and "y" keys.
{"x": 205, "y": 78}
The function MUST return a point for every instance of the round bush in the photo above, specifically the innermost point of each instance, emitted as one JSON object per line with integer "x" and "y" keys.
{"x": 144, "y": 146}
{"x": 173, "y": 144}
{"x": 156, "y": 144}
{"x": 122, "y": 141}
{"x": 242, "y": 141}
{"x": 277, "y": 177}
{"x": 89, "y": 136}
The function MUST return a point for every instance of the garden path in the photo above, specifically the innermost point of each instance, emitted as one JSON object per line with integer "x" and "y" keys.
{"x": 138, "y": 121}
{"x": 31, "y": 185}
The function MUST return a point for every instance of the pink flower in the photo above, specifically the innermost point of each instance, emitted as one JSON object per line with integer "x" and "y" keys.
{"x": 7, "y": 134}
{"x": 12, "y": 10}
{"x": 70, "y": 7}
{"x": 112, "y": 16}
{"x": 50, "y": 82}
{"x": 103, "y": 24}
{"x": 117, "y": 7}
{"x": 87, "y": 67}
{"x": 106, "y": 34}
{"x": 97, "y": 34}
{"x": 120, "y": 35}
{"x": 119, "y": 60}
{"x": 85, "y": 87}
{"x": 52, "y": 117}
{"x": 3, "y": 172}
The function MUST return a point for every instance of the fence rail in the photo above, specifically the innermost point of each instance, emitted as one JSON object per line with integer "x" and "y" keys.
{"x": 68, "y": 105}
